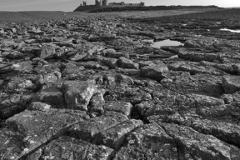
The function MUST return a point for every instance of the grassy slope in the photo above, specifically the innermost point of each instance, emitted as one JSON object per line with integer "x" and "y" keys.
{"x": 40, "y": 16}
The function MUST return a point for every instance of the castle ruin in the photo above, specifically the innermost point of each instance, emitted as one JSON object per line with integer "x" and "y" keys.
{"x": 112, "y": 4}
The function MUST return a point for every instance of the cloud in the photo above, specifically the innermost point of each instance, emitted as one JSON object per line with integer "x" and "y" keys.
{"x": 15, "y": 3}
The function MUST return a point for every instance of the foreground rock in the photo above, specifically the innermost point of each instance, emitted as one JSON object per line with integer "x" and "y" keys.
{"x": 26, "y": 136}
{"x": 71, "y": 148}
{"x": 149, "y": 142}
{"x": 93, "y": 87}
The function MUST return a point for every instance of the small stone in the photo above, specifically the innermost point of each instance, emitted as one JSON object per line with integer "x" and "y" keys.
{"x": 38, "y": 106}
{"x": 127, "y": 63}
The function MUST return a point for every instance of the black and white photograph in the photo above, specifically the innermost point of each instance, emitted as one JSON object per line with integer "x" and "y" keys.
{"x": 119, "y": 80}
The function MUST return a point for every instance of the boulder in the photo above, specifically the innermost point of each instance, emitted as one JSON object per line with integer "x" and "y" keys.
{"x": 110, "y": 62}
{"x": 231, "y": 84}
{"x": 155, "y": 72}
{"x": 52, "y": 96}
{"x": 96, "y": 103}
{"x": 78, "y": 94}
{"x": 47, "y": 52}
{"x": 127, "y": 63}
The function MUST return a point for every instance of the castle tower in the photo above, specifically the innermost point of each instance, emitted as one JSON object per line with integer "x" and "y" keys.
{"x": 105, "y": 2}
{"x": 96, "y": 3}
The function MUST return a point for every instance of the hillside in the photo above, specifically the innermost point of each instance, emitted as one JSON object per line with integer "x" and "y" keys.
{"x": 94, "y": 9}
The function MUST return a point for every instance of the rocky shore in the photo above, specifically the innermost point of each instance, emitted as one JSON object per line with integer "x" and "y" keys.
{"x": 93, "y": 88}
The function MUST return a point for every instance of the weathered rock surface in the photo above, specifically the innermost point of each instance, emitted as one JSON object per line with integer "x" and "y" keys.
{"x": 94, "y": 87}
{"x": 192, "y": 144}
{"x": 87, "y": 130}
{"x": 121, "y": 107}
{"x": 126, "y": 63}
{"x": 149, "y": 142}
{"x": 78, "y": 94}
{"x": 115, "y": 136}
{"x": 32, "y": 129}
{"x": 155, "y": 72}
{"x": 71, "y": 148}
{"x": 47, "y": 52}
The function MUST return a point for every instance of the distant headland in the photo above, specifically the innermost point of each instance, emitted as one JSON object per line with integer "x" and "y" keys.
{"x": 105, "y": 6}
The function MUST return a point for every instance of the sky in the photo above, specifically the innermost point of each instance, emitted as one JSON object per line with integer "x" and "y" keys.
{"x": 70, "y": 5}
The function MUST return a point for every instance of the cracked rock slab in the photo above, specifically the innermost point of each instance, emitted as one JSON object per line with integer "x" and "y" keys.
{"x": 195, "y": 145}
{"x": 34, "y": 128}
{"x": 87, "y": 130}
{"x": 148, "y": 142}
{"x": 121, "y": 107}
{"x": 72, "y": 149}
{"x": 115, "y": 136}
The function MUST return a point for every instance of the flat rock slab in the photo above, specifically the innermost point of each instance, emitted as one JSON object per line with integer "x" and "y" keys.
{"x": 115, "y": 136}
{"x": 195, "y": 145}
{"x": 148, "y": 142}
{"x": 185, "y": 83}
{"x": 121, "y": 107}
{"x": 192, "y": 105}
{"x": 87, "y": 130}
{"x": 34, "y": 128}
{"x": 72, "y": 149}
{"x": 197, "y": 56}
{"x": 225, "y": 130}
